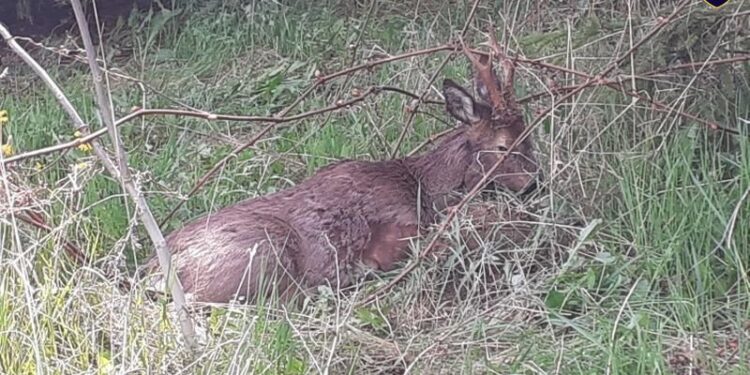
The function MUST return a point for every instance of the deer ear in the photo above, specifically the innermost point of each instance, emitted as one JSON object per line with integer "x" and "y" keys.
{"x": 460, "y": 104}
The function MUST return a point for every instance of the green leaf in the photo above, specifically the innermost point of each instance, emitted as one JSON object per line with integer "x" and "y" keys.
{"x": 554, "y": 300}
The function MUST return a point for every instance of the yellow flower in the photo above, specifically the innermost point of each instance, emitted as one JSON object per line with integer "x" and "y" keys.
{"x": 77, "y": 134}
{"x": 7, "y": 149}
{"x": 38, "y": 166}
{"x": 4, "y": 118}
{"x": 85, "y": 147}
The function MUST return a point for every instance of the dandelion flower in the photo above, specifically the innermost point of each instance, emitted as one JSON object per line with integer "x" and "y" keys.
{"x": 7, "y": 149}
{"x": 85, "y": 147}
{"x": 4, "y": 118}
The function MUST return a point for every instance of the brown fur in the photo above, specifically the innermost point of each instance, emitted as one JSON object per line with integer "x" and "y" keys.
{"x": 348, "y": 212}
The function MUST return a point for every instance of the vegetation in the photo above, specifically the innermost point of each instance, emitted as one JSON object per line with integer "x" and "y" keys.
{"x": 638, "y": 261}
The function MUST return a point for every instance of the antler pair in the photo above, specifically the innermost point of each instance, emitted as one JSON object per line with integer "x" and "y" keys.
{"x": 486, "y": 81}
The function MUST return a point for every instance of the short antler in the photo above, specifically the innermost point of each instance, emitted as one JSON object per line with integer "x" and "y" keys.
{"x": 489, "y": 86}
{"x": 509, "y": 67}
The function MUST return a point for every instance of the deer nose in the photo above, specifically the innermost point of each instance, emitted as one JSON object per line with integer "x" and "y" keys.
{"x": 533, "y": 185}
{"x": 530, "y": 188}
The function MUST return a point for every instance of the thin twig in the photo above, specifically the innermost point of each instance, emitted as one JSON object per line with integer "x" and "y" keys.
{"x": 371, "y": 64}
{"x": 35, "y": 219}
{"x": 410, "y": 94}
{"x": 59, "y": 95}
{"x": 429, "y": 140}
{"x": 698, "y": 64}
{"x": 413, "y": 109}
{"x": 614, "y": 83}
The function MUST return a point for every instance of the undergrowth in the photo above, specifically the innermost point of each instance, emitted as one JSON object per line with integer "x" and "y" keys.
{"x": 637, "y": 251}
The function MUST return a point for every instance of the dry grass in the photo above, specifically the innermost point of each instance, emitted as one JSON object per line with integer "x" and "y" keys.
{"x": 632, "y": 259}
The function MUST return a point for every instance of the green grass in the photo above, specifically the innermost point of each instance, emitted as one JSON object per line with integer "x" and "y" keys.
{"x": 639, "y": 252}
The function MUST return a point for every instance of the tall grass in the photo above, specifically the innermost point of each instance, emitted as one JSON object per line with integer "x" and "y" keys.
{"x": 636, "y": 263}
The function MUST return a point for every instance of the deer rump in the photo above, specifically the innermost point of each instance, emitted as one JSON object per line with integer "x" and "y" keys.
{"x": 352, "y": 212}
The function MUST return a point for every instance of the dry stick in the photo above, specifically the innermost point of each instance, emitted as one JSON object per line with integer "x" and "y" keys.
{"x": 413, "y": 112}
{"x": 147, "y": 218}
{"x": 522, "y": 137}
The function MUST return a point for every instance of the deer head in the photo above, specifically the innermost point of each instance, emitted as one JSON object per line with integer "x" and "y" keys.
{"x": 495, "y": 122}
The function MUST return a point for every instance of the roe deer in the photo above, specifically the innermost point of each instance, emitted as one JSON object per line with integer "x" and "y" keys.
{"x": 351, "y": 211}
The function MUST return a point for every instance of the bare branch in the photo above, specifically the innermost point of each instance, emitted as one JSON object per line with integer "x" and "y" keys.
{"x": 207, "y": 116}
{"x": 374, "y": 63}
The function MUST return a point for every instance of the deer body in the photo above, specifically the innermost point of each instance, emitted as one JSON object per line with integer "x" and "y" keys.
{"x": 349, "y": 212}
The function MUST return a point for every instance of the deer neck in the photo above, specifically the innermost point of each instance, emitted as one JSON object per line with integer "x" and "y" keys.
{"x": 440, "y": 172}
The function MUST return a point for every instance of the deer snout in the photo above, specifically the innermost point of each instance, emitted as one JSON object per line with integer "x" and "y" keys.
{"x": 533, "y": 184}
